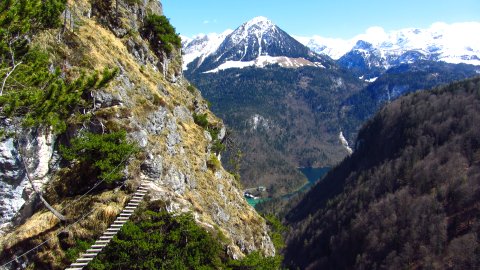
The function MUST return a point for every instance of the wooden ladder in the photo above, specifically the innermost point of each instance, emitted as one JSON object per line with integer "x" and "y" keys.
{"x": 114, "y": 228}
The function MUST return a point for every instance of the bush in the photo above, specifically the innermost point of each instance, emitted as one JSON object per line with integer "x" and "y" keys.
{"x": 161, "y": 241}
{"x": 46, "y": 99}
{"x": 161, "y": 34}
{"x": 191, "y": 89}
{"x": 105, "y": 154}
{"x": 33, "y": 90}
{"x": 80, "y": 247}
{"x": 201, "y": 120}
{"x": 213, "y": 162}
{"x": 158, "y": 240}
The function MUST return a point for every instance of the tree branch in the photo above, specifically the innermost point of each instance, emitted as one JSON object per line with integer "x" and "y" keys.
{"x": 39, "y": 192}
{"x": 8, "y": 75}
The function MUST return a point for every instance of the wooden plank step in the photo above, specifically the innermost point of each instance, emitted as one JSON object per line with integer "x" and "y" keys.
{"x": 76, "y": 268}
{"x": 90, "y": 254}
{"x": 101, "y": 242}
{"x": 120, "y": 222}
{"x": 113, "y": 229}
{"x": 84, "y": 259}
{"x": 98, "y": 246}
{"x": 93, "y": 250}
{"x": 79, "y": 264}
{"x": 133, "y": 203}
{"x": 109, "y": 233}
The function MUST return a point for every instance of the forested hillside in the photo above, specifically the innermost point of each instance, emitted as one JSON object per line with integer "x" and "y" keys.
{"x": 282, "y": 118}
{"x": 409, "y": 196}
{"x": 395, "y": 82}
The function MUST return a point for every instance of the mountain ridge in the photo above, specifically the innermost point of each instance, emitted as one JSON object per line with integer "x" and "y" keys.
{"x": 409, "y": 194}
{"x": 257, "y": 42}
{"x": 439, "y": 42}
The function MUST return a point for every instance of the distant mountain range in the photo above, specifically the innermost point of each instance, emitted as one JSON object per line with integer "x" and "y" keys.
{"x": 368, "y": 54}
{"x": 288, "y": 104}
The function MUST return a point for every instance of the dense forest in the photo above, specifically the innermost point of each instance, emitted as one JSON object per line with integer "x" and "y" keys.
{"x": 395, "y": 82}
{"x": 409, "y": 196}
{"x": 282, "y": 119}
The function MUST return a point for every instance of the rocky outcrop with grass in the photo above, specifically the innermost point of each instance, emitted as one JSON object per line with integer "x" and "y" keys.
{"x": 123, "y": 80}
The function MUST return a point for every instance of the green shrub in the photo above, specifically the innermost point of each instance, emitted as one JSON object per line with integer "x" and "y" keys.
{"x": 191, "y": 88}
{"x": 201, "y": 120}
{"x": 161, "y": 34}
{"x": 217, "y": 146}
{"x": 161, "y": 241}
{"x": 80, "y": 247}
{"x": 277, "y": 229}
{"x": 158, "y": 240}
{"x": 33, "y": 89}
{"x": 213, "y": 162}
{"x": 255, "y": 260}
{"x": 105, "y": 154}
{"x": 46, "y": 98}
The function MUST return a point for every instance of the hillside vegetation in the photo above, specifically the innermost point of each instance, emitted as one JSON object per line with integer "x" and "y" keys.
{"x": 282, "y": 119}
{"x": 93, "y": 104}
{"x": 409, "y": 196}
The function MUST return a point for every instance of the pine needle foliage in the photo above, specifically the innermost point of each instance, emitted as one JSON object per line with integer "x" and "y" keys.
{"x": 105, "y": 154}
{"x": 161, "y": 34}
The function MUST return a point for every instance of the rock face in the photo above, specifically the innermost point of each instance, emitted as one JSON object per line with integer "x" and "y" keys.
{"x": 36, "y": 149}
{"x": 155, "y": 108}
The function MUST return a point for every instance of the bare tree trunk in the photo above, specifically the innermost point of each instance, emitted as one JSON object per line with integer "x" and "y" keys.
{"x": 39, "y": 192}
{"x": 14, "y": 65}
{"x": 8, "y": 75}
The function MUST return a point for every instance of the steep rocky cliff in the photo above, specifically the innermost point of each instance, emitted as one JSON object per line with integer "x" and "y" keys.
{"x": 155, "y": 105}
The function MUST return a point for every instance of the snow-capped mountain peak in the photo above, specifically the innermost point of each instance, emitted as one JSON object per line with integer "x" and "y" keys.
{"x": 260, "y": 21}
{"x": 451, "y": 43}
{"x": 258, "y": 42}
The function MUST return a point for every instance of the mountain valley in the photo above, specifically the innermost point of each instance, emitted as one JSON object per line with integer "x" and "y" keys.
{"x": 125, "y": 145}
{"x": 290, "y": 116}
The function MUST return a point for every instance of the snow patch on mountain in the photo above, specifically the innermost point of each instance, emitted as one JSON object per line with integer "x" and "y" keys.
{"x": 344, "y": 143}
{"x": 265, "y": 60}
{"x": 202, "y": 46}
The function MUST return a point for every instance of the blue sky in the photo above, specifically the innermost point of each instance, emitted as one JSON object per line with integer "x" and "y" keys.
{"x": 333, "y": 18}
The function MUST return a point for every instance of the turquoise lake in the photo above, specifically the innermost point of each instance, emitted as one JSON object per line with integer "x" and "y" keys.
{"x": 312, "y": 174}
